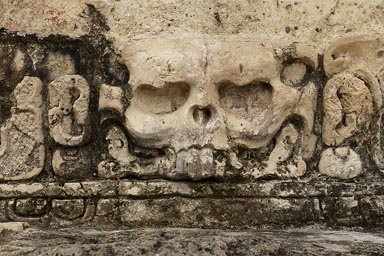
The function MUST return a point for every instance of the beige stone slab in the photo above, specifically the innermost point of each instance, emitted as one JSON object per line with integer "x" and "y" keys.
{"x": 12, "y": 226}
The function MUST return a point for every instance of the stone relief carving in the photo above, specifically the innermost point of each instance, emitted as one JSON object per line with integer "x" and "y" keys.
{"x": 347, "y": 108}
{"x": 200, "y": 104}
{"x": 211, "y": 110}
{"x": 352, "y": 105}
{"x": 340, "y": 162}
{"x": 59, "y": 211}
{"x": 218, "y": 111}
{"x": 72, "y": 163}
{"x": 22, "y": 149}
{"x": 69, "y": 125}
{"x": 68, "y": 110}
{"x": 214, "y": 130}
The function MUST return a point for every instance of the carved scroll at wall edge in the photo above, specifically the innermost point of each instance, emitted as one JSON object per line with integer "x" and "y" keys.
{"x": 352, "y": 105}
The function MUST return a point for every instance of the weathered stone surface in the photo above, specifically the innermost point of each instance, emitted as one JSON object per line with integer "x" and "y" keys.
{"x": 22, "y": 151}
{"x": 342, "y": 162}
{"x": 83, "y": 189}
{"x": 68, "y": 113}
{"x": 211, "y": 213}
{"x": 192, "y": 242}
{"x": 198, "y": 114}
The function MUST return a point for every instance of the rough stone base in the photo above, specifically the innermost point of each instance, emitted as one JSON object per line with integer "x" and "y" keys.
{"x": 308, "y": 241}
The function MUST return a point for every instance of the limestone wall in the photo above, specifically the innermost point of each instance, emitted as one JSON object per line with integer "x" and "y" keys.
{"x": 191, "y": 113}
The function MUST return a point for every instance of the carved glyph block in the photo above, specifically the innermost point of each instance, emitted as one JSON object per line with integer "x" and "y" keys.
{"x": 69, "y": 124}
{"x": 22, "y": 149}
{"x": 68, "y": 110}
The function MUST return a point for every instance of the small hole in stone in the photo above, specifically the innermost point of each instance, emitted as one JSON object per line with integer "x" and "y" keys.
{"x": 380, "y": 54}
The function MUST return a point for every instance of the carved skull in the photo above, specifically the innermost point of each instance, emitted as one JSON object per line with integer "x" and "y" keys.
{"x": 198, "y": 98}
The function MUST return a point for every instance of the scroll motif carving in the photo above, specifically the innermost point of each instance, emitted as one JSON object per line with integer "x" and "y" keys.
{"x": 22, "y": 149}
{"x": 348, "y": 108}
{"x": 352, "y": 105}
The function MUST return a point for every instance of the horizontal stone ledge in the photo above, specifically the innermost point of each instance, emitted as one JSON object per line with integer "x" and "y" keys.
{"x": 365, "y": 211}
{"x": 104, "y": 188}
{"x": 163, "y": 188}
{"x": 214, "y": 213}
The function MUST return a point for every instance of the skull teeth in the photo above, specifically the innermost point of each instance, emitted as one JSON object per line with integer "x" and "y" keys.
{"x": 195, "y": 163}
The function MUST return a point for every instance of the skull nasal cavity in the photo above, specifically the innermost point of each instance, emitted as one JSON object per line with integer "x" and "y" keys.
{"x": 202, "y": 115}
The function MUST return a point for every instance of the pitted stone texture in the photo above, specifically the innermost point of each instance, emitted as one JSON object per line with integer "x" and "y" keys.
{"x": 352, "y": 100}
{"x": 80, "y": 242}
{"x": 22, "y": 152}
{"x": 343, "y": 163}
{"x": 225, "y": 94}
{"x": 68, "y": 110}
{"x": 348, "y": 108}
{"x": 201, "y": 100}
{"x": 213, "y": 213}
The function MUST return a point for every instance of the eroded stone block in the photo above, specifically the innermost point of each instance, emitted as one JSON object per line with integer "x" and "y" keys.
{"x": 22, "y": 151}
{"x": 342, "y": 162}
{"x": 68, "y": 110}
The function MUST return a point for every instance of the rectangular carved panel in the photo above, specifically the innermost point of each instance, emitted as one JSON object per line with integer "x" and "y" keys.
{"x": 191, "y": 132}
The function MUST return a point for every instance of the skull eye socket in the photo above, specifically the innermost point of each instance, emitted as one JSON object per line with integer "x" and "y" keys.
{"x": 295, "y": 74}
{"x": 166, "y": 99}
{"x": 251, "y": 98}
